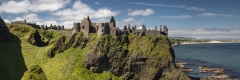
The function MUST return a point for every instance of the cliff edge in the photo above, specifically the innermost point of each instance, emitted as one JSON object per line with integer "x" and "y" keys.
{"x": 4, "y": 32}
{"x": 44, "y": 54}
{"x": 133, "y": 57}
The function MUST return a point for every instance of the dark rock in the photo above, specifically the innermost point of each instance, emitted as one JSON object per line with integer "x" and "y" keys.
{"x": 35, "y": 72}
{"x": 58, "y": 47}
{"x": 4, "y": 31}
{"x": 108, "y": 56}
{"x": 218, "y": 77}
{"x": 35, "y": 39}
{"x": 212, "y": 69}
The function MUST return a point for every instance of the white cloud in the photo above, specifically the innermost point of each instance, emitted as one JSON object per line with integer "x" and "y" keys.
{"x": 205, "y": 33}
{"x": 102, "y": 20}
{"x": 130, "y": 21}
{"x": 25, "y": 6}
{"x": 6, "y": 21}
{"x": 48, "y": 22}
{"x": 15, "y": 7}
{"x": 212, "y": 14}
{"x": 32, "y": 17}
{"x": 173, "y": 6}
{"x": 177, "y": 17}
{"x": 97, "y": 3}
{"x": 80, "y": 10}
{"x": 47, "y": 5}
{"x": 141, "y": 12}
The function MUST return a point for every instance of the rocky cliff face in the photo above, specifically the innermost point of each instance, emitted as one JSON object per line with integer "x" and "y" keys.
{"x": 3, "y": 30}
{"x": 145, "y": 58}
{"x": 127, "y": 57}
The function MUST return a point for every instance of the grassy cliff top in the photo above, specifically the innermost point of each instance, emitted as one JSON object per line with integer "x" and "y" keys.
{"x": 69, "y": 64}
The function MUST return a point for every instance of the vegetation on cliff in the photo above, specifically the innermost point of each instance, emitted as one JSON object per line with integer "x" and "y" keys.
{"x": 51, "y": 55}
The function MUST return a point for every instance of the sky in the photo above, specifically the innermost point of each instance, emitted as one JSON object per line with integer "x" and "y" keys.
{"x": 184, "y": 18}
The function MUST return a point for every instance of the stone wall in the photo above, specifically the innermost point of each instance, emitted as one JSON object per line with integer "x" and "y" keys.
{"x": 24, "y": 22}
{"x": 110, "y": 28}
{"x": 85, "y": 26}
{"x": 101, "y": 30}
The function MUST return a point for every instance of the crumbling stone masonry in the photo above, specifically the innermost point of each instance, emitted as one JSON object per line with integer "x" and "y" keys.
{"x": 24, "y": 22}
{"x": 86, "y": 26}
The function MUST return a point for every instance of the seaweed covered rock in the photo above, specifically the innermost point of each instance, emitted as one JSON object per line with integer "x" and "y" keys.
{"x": 146, "y": 58}
{"x": 34, "y": 73}
{"x": 3, "y": 30}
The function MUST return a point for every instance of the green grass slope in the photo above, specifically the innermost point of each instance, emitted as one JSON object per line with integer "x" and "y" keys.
{"x": 65, "y": 65}
{"x": 12, "y": 65}
{"x": 22, "y": 55}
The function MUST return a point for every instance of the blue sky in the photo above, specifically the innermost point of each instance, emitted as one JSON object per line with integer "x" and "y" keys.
{"x": 184, "y": 18}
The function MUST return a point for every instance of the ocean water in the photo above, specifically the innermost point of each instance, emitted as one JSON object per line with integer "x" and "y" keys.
{"x": 223, "y": 55}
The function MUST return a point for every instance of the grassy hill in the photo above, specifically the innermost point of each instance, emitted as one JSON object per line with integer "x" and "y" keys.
{"x": 46, "y": 54}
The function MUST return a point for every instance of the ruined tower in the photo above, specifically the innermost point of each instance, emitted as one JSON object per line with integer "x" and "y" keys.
{"x": 51, "y": 26}
{"x": 78, "y": 26}
{"x": 74, "y": 28}
{"x": 156, "y": 28}
{"x": 62, "y": 27}
{"x": 42, "y": 26}
{"x": 46, "y": 28}
{"x": 112, "y": 26}
{"x": 58, "y": 27}
{"x": 85, "y": 26}
{"x": 165, "y": 31}
{"x": 101, "y": 30}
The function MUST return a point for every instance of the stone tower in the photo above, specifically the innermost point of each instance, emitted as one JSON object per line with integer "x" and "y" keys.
{"x": 112, "y": 26}
{"x": 144, "y": 28}
{"x": 42, "y": 26}
{"x": 156, "y": 28}
{"x": 51, "y": 26}
{"x": 46, "y": 28}
{"x": 78, "y": 27}
{"x": 85, "y": 26}
{"x": 165, "y": 31}
{"x": 62, "y": 27}
{"x": 101, "y": 30}
{"x": 74, "y": 28}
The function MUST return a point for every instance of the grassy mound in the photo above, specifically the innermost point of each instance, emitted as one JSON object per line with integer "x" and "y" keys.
{"x": 34, "y": 73}
{"x": 27, "y": 33}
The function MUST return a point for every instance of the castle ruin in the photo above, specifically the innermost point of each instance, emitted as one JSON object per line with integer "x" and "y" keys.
{"x": 34, "y": 25}
{"x": 86, "y": 27}
{"x": 24, "y": 22}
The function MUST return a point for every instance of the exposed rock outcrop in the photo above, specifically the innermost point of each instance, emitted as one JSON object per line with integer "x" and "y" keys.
{"x": 212, "y": 69}
{"x": 3, "y": 30}
{"x": 182, "y": 66}
{"x": 144, "y": 58}
{"x": 61, "y": 44}
{"x": 30, "y": 34}
{"x": 35, "y": 72}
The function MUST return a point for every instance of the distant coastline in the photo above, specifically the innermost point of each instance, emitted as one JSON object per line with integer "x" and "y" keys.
{"x": 206, "y": 42}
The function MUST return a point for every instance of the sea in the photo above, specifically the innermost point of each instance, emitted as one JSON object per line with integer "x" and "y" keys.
{"x": 222, "y": 55}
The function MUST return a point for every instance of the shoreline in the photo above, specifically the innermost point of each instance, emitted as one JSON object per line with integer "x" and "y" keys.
{"x": 209, "y": 71}
{"x": 206, "y": 42}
